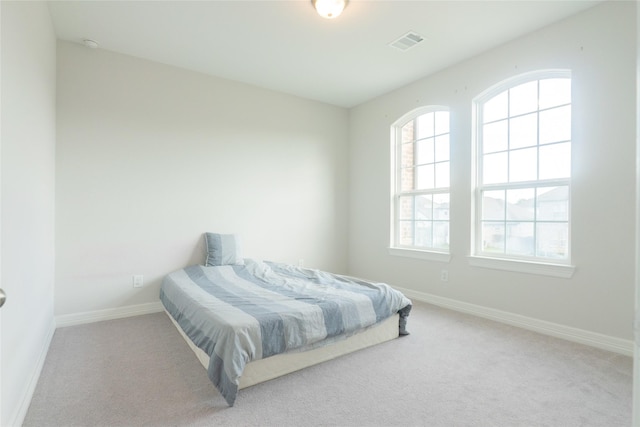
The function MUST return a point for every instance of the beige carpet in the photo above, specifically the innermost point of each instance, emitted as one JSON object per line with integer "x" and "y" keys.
{"x": 453, "y": 370}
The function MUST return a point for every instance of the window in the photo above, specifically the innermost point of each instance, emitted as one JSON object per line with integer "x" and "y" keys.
{"x": 420, "y": 213}
{"x": 523, "y": 159}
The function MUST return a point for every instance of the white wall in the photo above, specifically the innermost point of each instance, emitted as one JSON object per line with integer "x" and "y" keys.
{"x": 636, "y": 363}
{"x": 28, "y": 184}
{"x": 150, "y": 156}
{"x": 599, "y": 47}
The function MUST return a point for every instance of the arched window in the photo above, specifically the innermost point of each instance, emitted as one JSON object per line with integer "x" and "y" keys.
{"x": 523, "y": 169}
{"x": 420, "y": 212}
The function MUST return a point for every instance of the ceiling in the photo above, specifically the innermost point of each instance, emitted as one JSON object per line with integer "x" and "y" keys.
{"x": 284, "y": 45}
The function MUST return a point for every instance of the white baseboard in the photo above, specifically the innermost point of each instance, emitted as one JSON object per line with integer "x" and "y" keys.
{"x": 17, "y": 418}
{"x": 605, "y": 342}
{"x": 107, "y": 314}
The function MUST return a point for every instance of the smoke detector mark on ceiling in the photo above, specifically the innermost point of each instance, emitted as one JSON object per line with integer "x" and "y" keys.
{"x": 92, "y": 44}
{"x": 407, "y": 41}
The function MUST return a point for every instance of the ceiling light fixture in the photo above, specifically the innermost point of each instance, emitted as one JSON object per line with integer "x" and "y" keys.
{"x": 329, "y": 8}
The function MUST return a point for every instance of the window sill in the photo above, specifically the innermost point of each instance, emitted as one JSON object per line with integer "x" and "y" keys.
{"x": 544, "y": 269}
{"x": 416, "y": 253}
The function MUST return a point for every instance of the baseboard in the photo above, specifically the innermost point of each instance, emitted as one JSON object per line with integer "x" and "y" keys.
{"x": 107, "y": 314}
{"x": 605, "y": 342}
{"x": 17, "y": 418}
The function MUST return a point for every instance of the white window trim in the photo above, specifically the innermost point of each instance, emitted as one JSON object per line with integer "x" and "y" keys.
{"x": 420, "y": 254}
{"x": 564, "y": 271}
{"x": 563, "y": 268}
{"x": 395, "y": 135}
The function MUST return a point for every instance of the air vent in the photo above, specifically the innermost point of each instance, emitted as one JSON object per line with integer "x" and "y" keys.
{"x": 407, "y": 41}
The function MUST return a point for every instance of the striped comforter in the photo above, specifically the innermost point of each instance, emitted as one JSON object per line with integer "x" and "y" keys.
{"x": 240, "y": 313}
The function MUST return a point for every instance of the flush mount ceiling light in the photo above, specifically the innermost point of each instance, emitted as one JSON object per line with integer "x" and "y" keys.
{"x": 329, "y": 8}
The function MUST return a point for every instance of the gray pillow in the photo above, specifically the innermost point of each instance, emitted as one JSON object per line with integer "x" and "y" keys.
{"x": 223, "y": 249}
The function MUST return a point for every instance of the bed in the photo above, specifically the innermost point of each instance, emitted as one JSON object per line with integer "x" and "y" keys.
{"x": 249, "y": 321}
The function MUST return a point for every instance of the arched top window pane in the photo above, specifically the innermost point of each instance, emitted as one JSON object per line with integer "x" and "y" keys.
{"x": 555, "y": 92}
{"x": 523, "y": 98}
{"x": 496, "y": 108}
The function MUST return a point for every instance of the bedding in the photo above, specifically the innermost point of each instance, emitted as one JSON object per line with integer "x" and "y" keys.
{"x": 261, "y": 370}
{"x": 237, "y": 313}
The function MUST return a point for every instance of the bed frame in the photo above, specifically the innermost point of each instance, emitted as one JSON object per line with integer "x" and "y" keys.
{"x": 262, "y": 370}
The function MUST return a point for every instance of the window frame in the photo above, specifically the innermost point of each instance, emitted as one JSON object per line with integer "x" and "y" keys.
{"x": 502, "y": 261}
{"x": 428, "y": 253}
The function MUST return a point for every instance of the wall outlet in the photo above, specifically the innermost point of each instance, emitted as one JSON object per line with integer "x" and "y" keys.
{"x": 444, "y": 275}
{"x": 138, "y": 281}
{"x": 300, "y": 262}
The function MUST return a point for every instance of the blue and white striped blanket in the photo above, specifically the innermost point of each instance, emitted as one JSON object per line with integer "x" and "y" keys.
{"x": 240, "y": 313}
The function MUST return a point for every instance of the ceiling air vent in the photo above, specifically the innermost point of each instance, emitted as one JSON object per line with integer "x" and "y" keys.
{"x": 407, "y": 41}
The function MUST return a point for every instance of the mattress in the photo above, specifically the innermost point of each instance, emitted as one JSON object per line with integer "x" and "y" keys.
{"x": 262, "y": 370}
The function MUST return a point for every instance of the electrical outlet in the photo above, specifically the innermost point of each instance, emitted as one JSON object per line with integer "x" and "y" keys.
{"x": 300, "y": 262}
{"x": 138, "y": 281}
{"x": 444, "y": 275}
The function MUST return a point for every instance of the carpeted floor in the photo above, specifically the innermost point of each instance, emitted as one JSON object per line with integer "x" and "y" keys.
{"x": 453, "y": 370}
